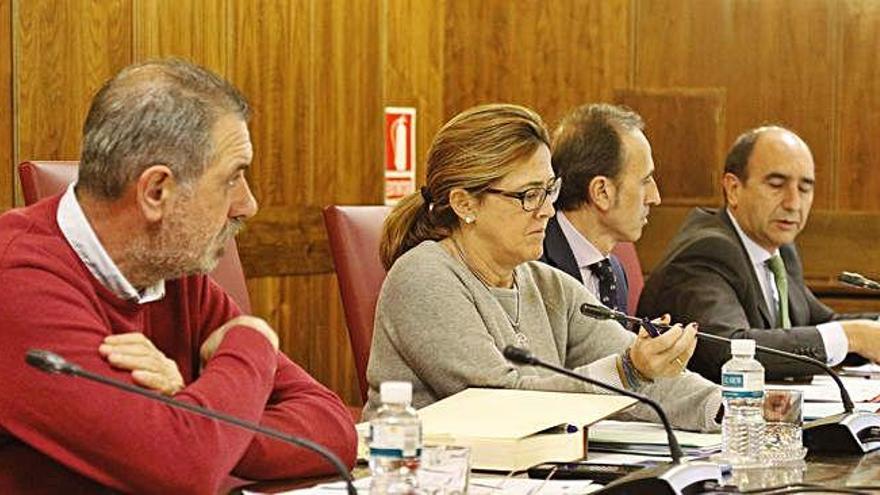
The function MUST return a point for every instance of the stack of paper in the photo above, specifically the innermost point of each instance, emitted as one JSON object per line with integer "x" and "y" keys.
{"x": 649, "y": 439}
{"x": 510, "y": 430}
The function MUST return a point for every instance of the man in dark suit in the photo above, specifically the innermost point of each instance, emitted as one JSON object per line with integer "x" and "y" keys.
{"x": 605, "y": 163}
{"x": 737, "y": 273}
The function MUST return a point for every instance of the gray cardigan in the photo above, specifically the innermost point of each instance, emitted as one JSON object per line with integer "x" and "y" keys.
{"x": 440, "y": 328}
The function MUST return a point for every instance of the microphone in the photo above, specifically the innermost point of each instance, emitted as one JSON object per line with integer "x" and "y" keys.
{"x": 858, "y": 280}
{"x": 849, "y": 432}
{"x": 53, "y": 363}
{"x": 675, "y": 478}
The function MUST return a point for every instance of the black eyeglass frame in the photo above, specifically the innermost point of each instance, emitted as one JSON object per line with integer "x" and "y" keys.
{"x": 547, "y": 191}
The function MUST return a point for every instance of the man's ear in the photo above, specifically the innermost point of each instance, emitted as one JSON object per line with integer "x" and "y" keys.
{"x": 602, "y": 192}
{"x": 732, "y": 188}
{"x": 463, "y": 203}
{"x": 155, "y": 187}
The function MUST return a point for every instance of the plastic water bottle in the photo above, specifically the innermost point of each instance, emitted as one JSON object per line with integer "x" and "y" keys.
{"x": 395, "y": 442}
{"x": 742, "y": 382}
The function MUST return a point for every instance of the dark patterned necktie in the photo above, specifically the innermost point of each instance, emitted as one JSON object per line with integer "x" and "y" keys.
{"x": 607, "y": 283}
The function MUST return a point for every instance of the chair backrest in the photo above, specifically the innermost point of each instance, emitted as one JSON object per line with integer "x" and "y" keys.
{"x": 43, "y": 179}
{"x": 353, "y": 232}
{"x": 626, "y": 253}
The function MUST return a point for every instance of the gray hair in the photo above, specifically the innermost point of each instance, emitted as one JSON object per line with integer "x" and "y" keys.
{"x": 155, "y": 112}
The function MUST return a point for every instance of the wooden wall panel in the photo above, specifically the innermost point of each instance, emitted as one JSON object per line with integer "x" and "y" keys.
{"x": 686, "y": 131}
{"x": 64, "y": 51}
{"x": 413, "y": 67}
{"x": 776, "y": 58}
{"x": 348, "y": 97}
{"x": 193, "y": 29}
{"x": 272, "y": 63}
{"x": 7, "y": 164}
{"x": 859, "y": 108}
{"x": 550, "y": 56}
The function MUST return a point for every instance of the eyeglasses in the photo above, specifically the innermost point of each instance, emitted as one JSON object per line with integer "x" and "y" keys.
{"x": 534, "y": 197}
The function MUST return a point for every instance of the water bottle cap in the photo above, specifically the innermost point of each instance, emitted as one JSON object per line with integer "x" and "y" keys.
{"x": 742, "y": 346}
{"x": 396, "y": 392}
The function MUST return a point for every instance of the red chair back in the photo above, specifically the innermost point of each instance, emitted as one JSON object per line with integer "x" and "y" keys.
{"x": 43, "y": 179}
{"x": 626, "y": 253}
{"x": 353, "y": 233}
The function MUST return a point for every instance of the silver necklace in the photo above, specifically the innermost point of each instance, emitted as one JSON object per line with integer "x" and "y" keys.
{"x": 521, "y": 339}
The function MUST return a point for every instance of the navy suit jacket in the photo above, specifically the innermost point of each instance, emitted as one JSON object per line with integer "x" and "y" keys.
{"x": 558, "y": 254}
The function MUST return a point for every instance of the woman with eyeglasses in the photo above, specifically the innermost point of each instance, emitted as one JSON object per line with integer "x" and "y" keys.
{"x": 463, "y": 284}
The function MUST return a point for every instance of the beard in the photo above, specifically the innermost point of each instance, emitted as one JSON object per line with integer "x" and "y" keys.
{"x": 181, "y": 245}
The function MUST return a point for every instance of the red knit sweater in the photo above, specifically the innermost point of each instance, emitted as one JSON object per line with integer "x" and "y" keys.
{"x": 59, "y": 433}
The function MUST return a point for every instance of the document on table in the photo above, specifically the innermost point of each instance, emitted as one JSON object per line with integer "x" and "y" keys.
{"x": 823, "y": 389}
{"x": 870, "y": 370}
{"x": 479, "y": 485}
{"x": 816, "y": 410}
{"x": 637, "y": 437}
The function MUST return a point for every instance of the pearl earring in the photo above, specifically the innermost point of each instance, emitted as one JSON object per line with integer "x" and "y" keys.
{"x": 469, "y": 219}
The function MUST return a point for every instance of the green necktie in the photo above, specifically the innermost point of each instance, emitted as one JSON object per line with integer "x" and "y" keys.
{"x": 778, "y": 268}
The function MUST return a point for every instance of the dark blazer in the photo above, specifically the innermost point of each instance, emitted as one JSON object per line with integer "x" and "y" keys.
{"x": 558, "y": 254}
{"x": 707, "y": 276}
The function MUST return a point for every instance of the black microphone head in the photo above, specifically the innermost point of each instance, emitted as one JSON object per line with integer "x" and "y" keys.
{"x": 518, "y": 355}
{"x": 597, "y": 311}
{"x": 47, "y": 361}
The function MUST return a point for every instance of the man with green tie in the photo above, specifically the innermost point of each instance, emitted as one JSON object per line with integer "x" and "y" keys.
{"x": 736, "y": 271}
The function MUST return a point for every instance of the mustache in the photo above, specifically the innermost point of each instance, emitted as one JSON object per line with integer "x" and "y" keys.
{"x": 231, "y": 229}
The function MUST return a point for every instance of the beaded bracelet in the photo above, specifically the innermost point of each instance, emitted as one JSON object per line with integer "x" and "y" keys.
{"x": 634, "y": 378}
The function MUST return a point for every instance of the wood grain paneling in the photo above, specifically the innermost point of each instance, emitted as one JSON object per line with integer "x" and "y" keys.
{"x": 859, "y": 108}
{"x": 64, "y": 51}
{"x": 285, "y": 240}
{"x": 192, "y": 29}
{"x": 272, "y": 63}
{"x": 348, "y": 97}
{"x": 550, "y": 56}
{"x": 686, "y": 130}
{"x": 776, "y": 58}
{"x": 7, "y": 165}
{"x": 413, "y": 67}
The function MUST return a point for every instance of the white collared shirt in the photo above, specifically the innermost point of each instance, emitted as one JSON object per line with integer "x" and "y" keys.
{"x": 585, "y": 253}
{"x": 833, "y": 337}
{"x": 82, "y": 238}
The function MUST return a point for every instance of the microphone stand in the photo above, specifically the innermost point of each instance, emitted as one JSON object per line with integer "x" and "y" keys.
{"x": 676, "y": 478}
{"x": 50, "y": 362}
{"x": 850, "y": 432}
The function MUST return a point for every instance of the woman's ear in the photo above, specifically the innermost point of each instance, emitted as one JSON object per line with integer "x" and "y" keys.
{"x": 602, "y": 192}
{"x": 463, "y": 204}
{"x": 155, "y": 186}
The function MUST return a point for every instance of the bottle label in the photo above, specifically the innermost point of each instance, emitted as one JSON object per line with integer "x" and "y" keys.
{"x": 397, "y": 441}
{"x": 735, "y": 385}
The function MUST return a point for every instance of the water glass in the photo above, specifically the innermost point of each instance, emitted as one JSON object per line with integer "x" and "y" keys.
{"x": 784, "y": 420}
{"x": 444, "y": 470}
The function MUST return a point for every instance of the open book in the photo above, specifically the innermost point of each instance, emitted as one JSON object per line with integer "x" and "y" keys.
{"x": 511, "y": 430}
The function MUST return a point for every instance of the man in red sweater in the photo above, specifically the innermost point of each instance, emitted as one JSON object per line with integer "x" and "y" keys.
{"x": 110, "y": 275}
